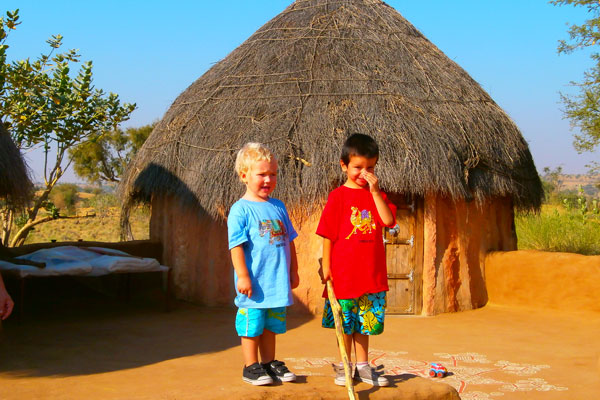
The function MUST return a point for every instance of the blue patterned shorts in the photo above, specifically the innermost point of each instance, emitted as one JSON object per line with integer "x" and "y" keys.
{"x": 251, "y": 322}
{"x": 364, "y": 315}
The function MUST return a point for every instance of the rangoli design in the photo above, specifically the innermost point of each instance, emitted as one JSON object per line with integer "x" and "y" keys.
{"x": 465, "y": 371}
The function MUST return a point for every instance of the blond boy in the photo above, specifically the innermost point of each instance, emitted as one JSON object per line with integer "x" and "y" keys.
{"x": 264, "y": 260}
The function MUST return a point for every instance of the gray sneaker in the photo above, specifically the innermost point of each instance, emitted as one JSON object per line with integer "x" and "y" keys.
{"x": 340, "y": 375}
{"x": 372, "y": 376}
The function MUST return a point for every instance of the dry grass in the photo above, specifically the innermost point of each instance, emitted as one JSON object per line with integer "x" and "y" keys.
{"x": 103, "y": 227}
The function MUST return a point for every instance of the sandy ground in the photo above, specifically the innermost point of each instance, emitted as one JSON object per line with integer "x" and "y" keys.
{"x": 103, "y": 348}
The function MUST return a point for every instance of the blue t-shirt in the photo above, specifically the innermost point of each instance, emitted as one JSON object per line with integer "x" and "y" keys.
{"x": 265, "y": 231}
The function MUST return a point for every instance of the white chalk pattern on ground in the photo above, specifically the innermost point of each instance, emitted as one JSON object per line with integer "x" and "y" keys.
{"x": 461, "y": 375}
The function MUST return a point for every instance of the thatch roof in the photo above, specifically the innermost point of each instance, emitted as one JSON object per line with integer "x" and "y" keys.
{"x": 317, "y": 72}
{"x": 15, "y": 184}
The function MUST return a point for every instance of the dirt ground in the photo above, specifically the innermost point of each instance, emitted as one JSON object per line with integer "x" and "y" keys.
{"x": 104, "y": 348}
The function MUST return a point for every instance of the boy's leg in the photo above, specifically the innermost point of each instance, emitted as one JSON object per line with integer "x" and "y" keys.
{"x": 349, "y": 319}
{"x": 348, "y": 340}
{"x": 364, "y": 372}
{"x": 275, "y": 324}
{"x": 361, "y": 347}
{"x": 266, "y": 346}
{"x": 250, "y": 347}
{"x": 249, "y": 325}
{"x": 371, "y": 320}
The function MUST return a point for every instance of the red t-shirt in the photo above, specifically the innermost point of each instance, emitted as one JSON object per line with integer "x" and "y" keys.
{"x": 351, "y": 221}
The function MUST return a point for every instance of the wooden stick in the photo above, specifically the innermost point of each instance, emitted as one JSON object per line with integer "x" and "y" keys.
{"x": 337, "y": 315}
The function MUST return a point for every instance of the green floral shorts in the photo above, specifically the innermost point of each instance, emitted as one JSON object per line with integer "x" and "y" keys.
{"x": 364, "y": 315}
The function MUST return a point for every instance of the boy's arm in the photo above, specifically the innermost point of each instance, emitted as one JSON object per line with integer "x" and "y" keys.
{"x": 326, "y": 261}
{"x": 386, "y": 215}
{"x": 244, "y": 284}
{"x": 294, "y": 277}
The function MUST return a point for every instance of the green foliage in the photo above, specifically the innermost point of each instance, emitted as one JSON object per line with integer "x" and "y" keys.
{"x": 43, "y": 105}
{"x": 585, "y": 207}
{"x": 103, "y": 203}
{"x": 64, "y": 196}
{"x": 51, "y": 209}
{"x": 551, "y": 182}
{"x": 583, "y": 109}
{"x": 573, "y": 227}
{"x": 555, "y": 231}
{"x": 105, "y": 156}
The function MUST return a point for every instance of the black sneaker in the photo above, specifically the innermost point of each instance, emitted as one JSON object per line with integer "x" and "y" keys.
{"x": 256, "y": 375}
{"x": 277, "y": 370}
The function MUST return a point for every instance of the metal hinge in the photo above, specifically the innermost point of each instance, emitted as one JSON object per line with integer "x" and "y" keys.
{"x": 411, "y": 276}
{"x": 410, "y": 241}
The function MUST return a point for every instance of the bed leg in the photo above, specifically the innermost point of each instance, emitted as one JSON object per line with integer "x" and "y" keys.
{"x": 168, "y": 292}
{"x": 21, "y": 308}
{"x": 127, "y": 287}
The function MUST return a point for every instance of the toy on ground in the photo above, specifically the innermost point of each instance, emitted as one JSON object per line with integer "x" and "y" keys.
{"x": 438, "y": 370}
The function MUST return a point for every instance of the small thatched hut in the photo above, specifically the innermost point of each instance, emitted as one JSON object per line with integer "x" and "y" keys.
{"x": 15, "y": 185}
{"x": 454, "y": 162}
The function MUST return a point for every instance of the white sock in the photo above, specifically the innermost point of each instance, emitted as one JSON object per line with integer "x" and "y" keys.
{"x": 362, "y": 364}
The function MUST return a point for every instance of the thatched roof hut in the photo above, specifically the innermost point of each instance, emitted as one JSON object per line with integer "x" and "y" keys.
{"x": 317, "y": 72}
{"x": 15, "y": 184}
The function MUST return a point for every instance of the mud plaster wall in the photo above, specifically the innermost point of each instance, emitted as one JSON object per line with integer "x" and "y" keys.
{"x": 195, "y": 246}
{"x": 561, "y": 281}
{"x": 457, "y": 237}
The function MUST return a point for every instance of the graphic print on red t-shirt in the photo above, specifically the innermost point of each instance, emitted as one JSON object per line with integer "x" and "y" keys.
{"x": 361, "y": 221}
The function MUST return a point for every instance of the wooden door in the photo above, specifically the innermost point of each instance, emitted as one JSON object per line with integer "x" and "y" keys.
{"x": 404, "y": 256}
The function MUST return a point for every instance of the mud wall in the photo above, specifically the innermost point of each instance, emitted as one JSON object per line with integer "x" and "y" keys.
{"x": 195, "y": 246}
{"x": 457, "y": 237}
{"x": 561, "y": 281}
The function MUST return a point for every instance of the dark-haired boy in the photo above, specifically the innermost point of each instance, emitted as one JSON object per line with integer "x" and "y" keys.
{"x": 354, "y": 255}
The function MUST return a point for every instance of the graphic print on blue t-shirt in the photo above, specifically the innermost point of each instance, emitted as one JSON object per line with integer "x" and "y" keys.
{"x": 275, "y": 228}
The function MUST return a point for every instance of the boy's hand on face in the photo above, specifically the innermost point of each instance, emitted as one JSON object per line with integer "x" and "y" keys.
{"x": 372, "y": 180}
{"x": 244, "y": 286}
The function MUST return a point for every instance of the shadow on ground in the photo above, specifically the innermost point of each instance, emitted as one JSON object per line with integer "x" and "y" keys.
{"x": 69, "y": 328}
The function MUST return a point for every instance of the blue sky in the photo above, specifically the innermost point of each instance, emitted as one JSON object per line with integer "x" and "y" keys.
{"x": 149, "y": 51}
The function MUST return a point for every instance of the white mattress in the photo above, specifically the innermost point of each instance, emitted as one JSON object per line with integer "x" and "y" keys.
{"x": 72, "y": 260}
